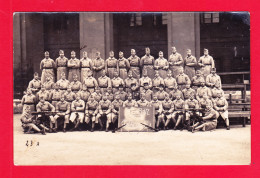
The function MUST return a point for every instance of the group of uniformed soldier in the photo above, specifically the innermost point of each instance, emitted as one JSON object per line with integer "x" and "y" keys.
{"x": 185, "y": 93}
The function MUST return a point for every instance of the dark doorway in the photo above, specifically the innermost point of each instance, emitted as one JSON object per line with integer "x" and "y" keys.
{"x": 61, "y": 31}
{"x": 140, "y": 30}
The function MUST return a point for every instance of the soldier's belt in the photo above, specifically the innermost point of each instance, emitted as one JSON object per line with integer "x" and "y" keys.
{"x": 160, "y": 99}
{"x": 111, "y": 67}
{"x": 85, "y": 67}
{"x": 105, "y": 108}
{"x": 220, "y": 105}
{"x": 29, "y": 103}
{"x": 63, "y": 88}
{"x": 55, "y": 100}
{"x": 75, "y": 90}
{"x": 90, "y": 87}
{"x": 122, "y": 67}
{"x": 181, "y": 83}
{"x": 47, "y": 67}
{"x": 102, "y": 86}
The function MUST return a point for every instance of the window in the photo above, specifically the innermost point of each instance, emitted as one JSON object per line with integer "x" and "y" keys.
{"x": 159, "y": 19}
{"x": 136, "y": 19}
{"x": 209, "y": 17}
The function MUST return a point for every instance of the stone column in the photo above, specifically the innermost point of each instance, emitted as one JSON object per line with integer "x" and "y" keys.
{"x": 184, "y": 32}
{"x": 96, "y": 33}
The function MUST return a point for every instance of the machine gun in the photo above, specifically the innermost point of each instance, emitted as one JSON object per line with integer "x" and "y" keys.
{"x": 44, "y": 119}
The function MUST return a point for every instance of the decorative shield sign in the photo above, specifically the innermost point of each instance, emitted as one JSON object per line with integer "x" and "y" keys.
{"x": 136, "y": 119}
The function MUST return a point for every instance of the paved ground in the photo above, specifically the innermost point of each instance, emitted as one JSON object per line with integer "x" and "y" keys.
{"x": 154, "y": 148}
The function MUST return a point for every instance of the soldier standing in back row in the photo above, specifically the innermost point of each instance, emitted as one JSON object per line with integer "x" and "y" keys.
{"x": 206, "y": 62}
{"x": 134, "y": 62}
{"x": 111, "y": 65}
{"x": 73, "y": 66}
{"x": 123, "y": 66}
{"x": 61, "y": 64}
{"x": 190, "y": 63}
{"x": 47, "y": 66}
{"x": 98, "y": 66}
{"x": 161, "y": 65}
{"x": 175, "y": 62}
{"x": 86, "y": 66}
{"x": 147, "y": 63}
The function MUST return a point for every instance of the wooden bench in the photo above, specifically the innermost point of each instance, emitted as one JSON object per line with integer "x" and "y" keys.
{"x": 240, "y": 112}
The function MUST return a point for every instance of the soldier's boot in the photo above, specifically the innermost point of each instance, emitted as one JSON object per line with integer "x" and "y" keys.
{"x": 43, "y": 131}
{"x": 92, "y": 127}
{"x": 54, "y": 130}
{"x": 113, "y": 127}
{"x": 101, "y": 124}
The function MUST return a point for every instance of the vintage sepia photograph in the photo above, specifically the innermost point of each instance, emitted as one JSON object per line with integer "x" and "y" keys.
{"x": 131, "y": 88}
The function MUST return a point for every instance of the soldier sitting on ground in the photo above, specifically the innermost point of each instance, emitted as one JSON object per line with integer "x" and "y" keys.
{"x": 29, "y": 123}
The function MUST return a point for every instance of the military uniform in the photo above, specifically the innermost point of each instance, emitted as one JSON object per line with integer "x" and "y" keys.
{"x": 35, "y": 85}
{"x": 63, "y": 84}
{"x": 91, "y": 83}
{"x": 46, "y": 106}
{"x": 215, "y": 91}
{"x": 61, "y": 64}
{"x": 157, "y": 107}
{"x": 63, "y": 109}
{"x": 74, "y": 68}
{"x": 189, "y": 106}
{"x": 144, "y": 80}
{"x": 84, "y": 95}
{"x": 97, "y": 96}
{"x": 122, "y": 94}
{"x": 110, "y": 96}
{"x": 168, "y": 108}
{"x": 104, "y": 82}
{"x": 212, "y": 79}
{"x": 111, "y": 65}
{"x": 221, "y": 106}
{"x": 170, "y": 83}
{"x": 161, "y": 95}
{"x": 182, "y": 80}
{"x": 210, "y": 120}
{"x": 116, "y": 82}
{"x": 157, "y": 81}
{"x": 135, "y": 66}
{"x": 115, "y": 109}
{"x": 143, "y": 103}
{"x": 204, "y": 102}
{"x": 175, "y": 62}
{"x": 174, "y": 93}
{"x": 77, "y": 107}
{"x": 75, "y": 86}
{"x": 123, "y": 67}
{"x": 147, "y": 64}
{"x": 86, "y": 67}
{"x": 203, "y": 91}
{"x": 105, "y": 110}
{"x": 55, "y": 96}
{"x": 208, "y": 63}
{"x": 47, "y": 66}
{"x": 29, "y": 100}
{"x": 98, "y": 66}
{"x": 48, "y": 85}
{"x": 131, "y": 84}
{"x": 196, "y": 82}
{"x": 131, "y": 103}
{"x": 69, "y": 96}
{"x": 190, "y": 63}
{"x": 148, "y": 94}
{"x": 45, "y": 94}
{"x": 187, "y": 92}
{"x": 91, "y": 111}
{"x": 161, "y": 65}
{"x": 179, "y": 107}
